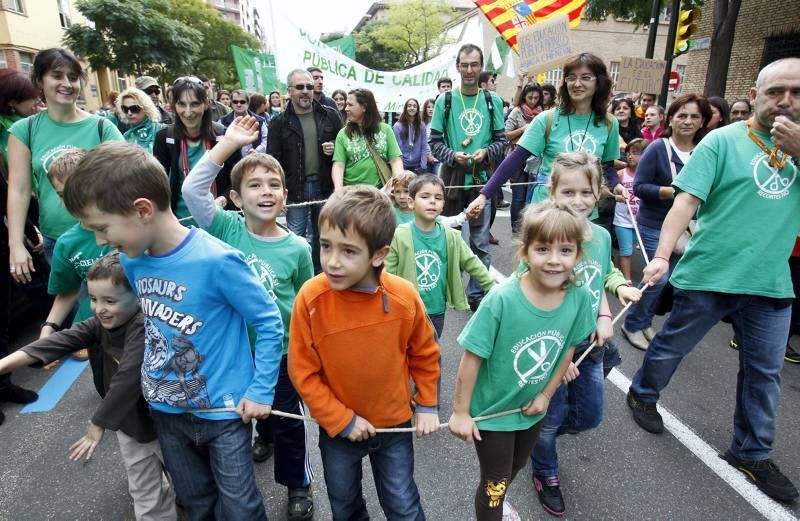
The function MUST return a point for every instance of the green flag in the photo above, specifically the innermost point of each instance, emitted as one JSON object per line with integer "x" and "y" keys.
{"x": 345, "y": 45}
{"x": 256, "y": 70}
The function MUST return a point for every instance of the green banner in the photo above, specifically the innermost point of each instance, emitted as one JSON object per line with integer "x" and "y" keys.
{"x": 256, "y": 70}
{"x": 345, "y": 45}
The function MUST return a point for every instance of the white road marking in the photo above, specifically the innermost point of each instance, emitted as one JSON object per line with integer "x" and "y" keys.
{"x": 769, "y": 508}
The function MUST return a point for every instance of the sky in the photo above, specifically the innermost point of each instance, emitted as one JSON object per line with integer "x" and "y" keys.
{"x": 316, "y": 16}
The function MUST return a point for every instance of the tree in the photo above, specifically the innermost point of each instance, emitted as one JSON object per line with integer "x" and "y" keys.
{"x": 216, "y": 35}
{"x": 413, "y": 32}
{"x": 131, "y": 36}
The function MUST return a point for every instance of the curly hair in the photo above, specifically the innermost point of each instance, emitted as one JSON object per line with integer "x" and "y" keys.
{"x": 142, "y": 99}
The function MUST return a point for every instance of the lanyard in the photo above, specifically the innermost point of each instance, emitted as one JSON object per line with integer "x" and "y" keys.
{"x": 185, "y": 162}
{"x": 774, "y": 161}
{"x": 467, "y": 141}
{"x": 583, "y": 137}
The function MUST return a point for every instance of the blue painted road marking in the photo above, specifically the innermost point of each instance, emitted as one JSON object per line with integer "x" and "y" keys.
{"x": 56, "y": 386}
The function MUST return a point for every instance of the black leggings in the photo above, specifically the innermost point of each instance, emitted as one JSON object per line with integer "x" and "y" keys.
{"x": 501, "y": 456}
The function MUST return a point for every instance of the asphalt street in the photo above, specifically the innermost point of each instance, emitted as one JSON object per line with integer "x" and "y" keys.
{"x": 616, "y": 471}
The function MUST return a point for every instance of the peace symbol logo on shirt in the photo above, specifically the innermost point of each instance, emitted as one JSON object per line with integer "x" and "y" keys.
{"x": 429, "y": 269}
{"x": 471, "y": 122}
{"x": 263, "y": 272}
{"x": 580, "y": 140}
{"x": 773, "y": 183}
{"x": 588, "y": 271}
{"x": 535, "y": 358}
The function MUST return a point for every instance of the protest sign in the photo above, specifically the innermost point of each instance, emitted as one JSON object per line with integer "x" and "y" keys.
{"x": 640, "y": 75}
{"x": 545, "y": 45}
{"x": 256, "y": 70}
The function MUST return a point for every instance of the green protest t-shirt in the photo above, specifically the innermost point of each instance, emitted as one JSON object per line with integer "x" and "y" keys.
{"x": 521, "y": 346}
{"x": 568, "y": 133}
{"x": 594, "y": 264}
{"x": 194, "y": 153}
{"x": 50, "y": 138}
{"x": 359, "y": 168}
{"x": 281, "y": 264}
{"x": 74, "y": 253}
{"x": 468, "y": 121}
{"x": 747, "y": 223}
{"x": 401, "y": 217}
{"x": 430, "y": 258}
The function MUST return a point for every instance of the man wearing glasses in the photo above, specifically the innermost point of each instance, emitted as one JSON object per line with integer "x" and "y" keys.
{"x": 301, "y": 139}
{"x": 240, "y": 102}
{"x": 150, "y": 86}
{"x": 319, "y": 96}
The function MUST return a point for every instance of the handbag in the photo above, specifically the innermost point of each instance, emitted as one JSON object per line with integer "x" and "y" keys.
{"x": 683, "y": 240}
{"x": 384, "y": 171}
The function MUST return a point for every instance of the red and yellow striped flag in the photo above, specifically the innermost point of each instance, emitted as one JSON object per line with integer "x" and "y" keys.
{"x": 509, "y": 16}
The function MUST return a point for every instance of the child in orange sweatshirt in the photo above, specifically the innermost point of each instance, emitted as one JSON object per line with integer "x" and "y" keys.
{"x": 357, "y": 337}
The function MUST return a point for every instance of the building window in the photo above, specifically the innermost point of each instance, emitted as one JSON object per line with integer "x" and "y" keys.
{"x": 781, "y": 45}
{"x": 25, "y": 61}
{"x": 122, "y": 83}
{"x": 3, "y": 62}
{"x": 64, "y": 13}
{"x": 14, "y": 5}
{"x": 553, "y": 76}
{"x": 613, "y": 70}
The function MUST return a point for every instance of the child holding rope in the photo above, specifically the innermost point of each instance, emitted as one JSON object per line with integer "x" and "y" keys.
{"x": 524, "y": 333}
{"x": 627, "y": 204}
{"x": 576, "y": 183}
{"x": 358, "y": 336}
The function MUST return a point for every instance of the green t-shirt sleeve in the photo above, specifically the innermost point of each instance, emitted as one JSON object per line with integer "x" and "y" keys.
{"x": 111, "y": 132}
{"x": 437, "y": 120}
{"x": 698, "y": 174}
{"x": 63, "y": 277}
{"x": 585, "y": 321}
{"x": 480, "y": 333}
{"x": 532, "y": 139}
{"x": 392, "y": 148}
{"x": 611, "y": 151}
{"x": 340, "y": 146}
{"x": 222, "y": 223}
{"x": 497, "y": 103}
{"x": 305, "y": 268}
{"x": 20, "y": 131}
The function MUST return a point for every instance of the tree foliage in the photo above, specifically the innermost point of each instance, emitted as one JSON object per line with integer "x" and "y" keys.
{"x": 133, "y": 36}
{"x": 412, "y": 32}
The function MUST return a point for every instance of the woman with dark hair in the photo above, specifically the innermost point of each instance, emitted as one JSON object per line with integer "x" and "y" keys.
{"x": 178, "y": 147}
{"x": 36, "y": 141}
{"x": 259, "y": 105}
{"x": 363, "y": 135}
{"x": 580, "y": 123}
{"x": 720, "y": 112}
{"x": 224, "y": 97}
{"x": 18, "y": 99}
{"x": 687, "y": 123}
{"x": 412, "y": 136}
{"x": 530, "y": 105}
{"x": 623, "y": 109}
{"x": 427, "y": 115}
{"x": 740, "y": 110}
{"x": 340, "y": 98}
{"x": 549, "y": 96}
{"x": 275, "y": 103}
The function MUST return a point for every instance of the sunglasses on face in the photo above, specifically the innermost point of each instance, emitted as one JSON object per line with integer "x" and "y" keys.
{"x": 133, "y": 109}
{"x": 239, "y": 102}
{"x": 303, "y": 86}
{"x": 152, "y": 90}
{"x": 188, "y": 79}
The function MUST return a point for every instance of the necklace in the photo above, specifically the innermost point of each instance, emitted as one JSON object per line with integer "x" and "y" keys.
{"x": 774, "y": 160}
{"x": 466, "y": 142}
{"x": 583, "y": 137}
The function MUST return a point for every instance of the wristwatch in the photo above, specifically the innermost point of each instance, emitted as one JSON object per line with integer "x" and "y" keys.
{"x": 56, "y": 327}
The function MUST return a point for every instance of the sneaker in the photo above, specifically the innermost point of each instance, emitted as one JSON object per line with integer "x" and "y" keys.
{"x": 645, "y": 414}
{"x": 503, "y": 204}
{"x": 636, "y": 339}
{"x": 549, "y": 492}
{"x": 510, "y": 513}
{"x": 493, "y": 240}
{"x": 301, "y": 504}
{"x": 791, "y": 356}
{"x": 734, "y": 344}
{"x": 474, "y": 303}
{"x": 262, "y": 450}
{"x": 649, "y": 333}
{"x": 15, "y": 394}
{"x": 81, "y": 355}
{"x": 766, "y": 476}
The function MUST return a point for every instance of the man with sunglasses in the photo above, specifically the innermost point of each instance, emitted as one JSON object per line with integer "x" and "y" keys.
{"x": 301, "y": 139}
{"x": 240, "y": 102}
{"x": 150, "y": 86}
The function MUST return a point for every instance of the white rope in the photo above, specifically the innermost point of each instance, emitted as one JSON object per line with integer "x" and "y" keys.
{"x": 636, "y": 229}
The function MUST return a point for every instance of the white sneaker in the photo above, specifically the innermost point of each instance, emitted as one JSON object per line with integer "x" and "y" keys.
{"x": 649, "y": 333}
{"x": 636, "y": 339}
{"x": 509, "y": 514}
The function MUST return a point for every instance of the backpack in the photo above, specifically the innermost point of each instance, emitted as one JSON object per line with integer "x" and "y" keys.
{"x": 448, "y": 102}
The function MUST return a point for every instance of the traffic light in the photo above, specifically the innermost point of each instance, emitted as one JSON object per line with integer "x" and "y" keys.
{"x": 687, "y": 27}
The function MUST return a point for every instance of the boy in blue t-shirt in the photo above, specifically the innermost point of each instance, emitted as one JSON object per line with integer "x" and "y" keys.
{"x": 197, "y": 296}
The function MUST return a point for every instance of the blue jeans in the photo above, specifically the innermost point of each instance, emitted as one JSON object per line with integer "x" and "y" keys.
{"x": 576, "y": 406}
{"x": 476, "y": 233}
{"x": 49, "y": 245}
{"x": 392, "y": 459}
{"x": 211, "y": 464}
{"x": 640, "y": 315}
{"x": 761, "y": 324}
{"x": 297, "y": 218}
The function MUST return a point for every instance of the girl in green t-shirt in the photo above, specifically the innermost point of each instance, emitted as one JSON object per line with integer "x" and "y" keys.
{"x": 518, "y": 346}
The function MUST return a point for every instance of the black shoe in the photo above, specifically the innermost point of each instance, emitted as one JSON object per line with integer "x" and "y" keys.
{"x": 791, "y": 356}
{"x": 503, "y": 204}
{"x": 549, "y": 491}
{"x": 645, "y": 414}
{"x": 301, "y": 504}
{"x": 262, "y": 450}
{"x": 2, "y": 417}
{"x": 15, "y": 394}
{"x": 766, "y": 476}
{"x": 474, "y": 303}
{"x": 493, "y": 240}
{"x": 734, "y": 344}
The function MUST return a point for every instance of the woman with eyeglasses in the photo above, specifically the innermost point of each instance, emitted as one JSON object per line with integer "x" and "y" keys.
{"x": 178, "y": 147}
{"x": 353, "y": 161}
{"x": 141, "y": 116}
{"x": 36, "y": 141}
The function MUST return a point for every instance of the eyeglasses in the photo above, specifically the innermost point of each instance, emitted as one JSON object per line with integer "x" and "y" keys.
{"x": 239, "y": 102}
{"x": 303, "y": 86}
{"x": 152, "y": 90}
{"x": 585, "y": 78}
{"x": 188, "y": 79}
{"x": 133, "y": 109}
